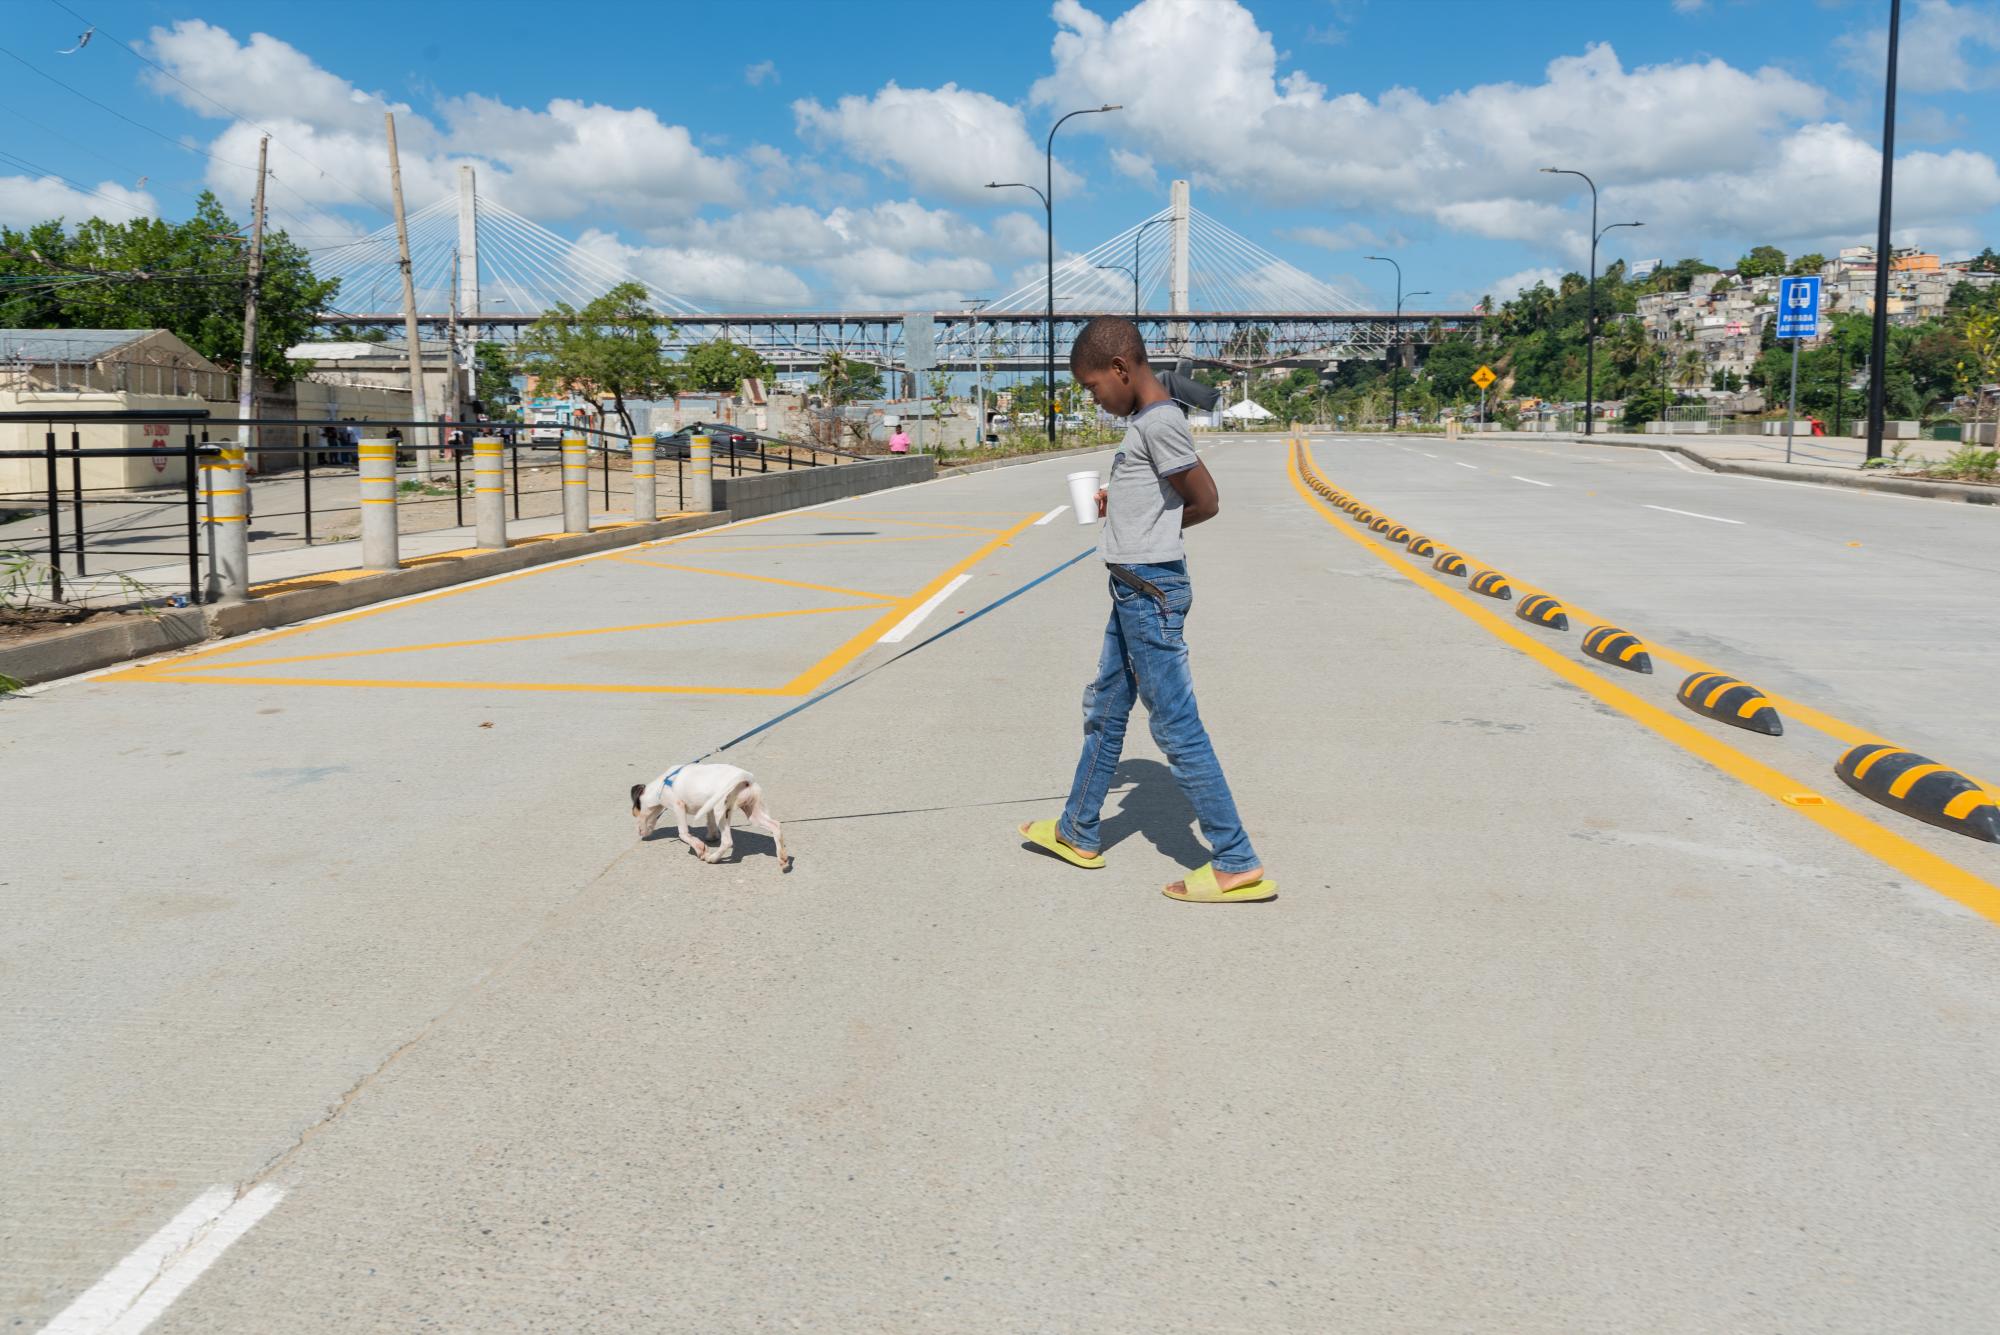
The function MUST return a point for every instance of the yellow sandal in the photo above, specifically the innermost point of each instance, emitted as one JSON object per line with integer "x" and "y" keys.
{"x": 1042, "y": 834}
{"x": 1200, "y": 887}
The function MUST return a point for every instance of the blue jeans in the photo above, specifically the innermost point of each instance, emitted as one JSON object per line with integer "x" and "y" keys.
{"x": 1145, "y": 658}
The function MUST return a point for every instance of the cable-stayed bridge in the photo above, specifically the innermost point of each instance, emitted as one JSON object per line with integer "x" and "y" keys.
{"x": 1196, "y": 288}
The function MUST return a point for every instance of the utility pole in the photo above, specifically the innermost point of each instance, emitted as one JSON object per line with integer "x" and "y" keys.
{"x": 454, "y": 398}
{"x": 420, "y": 410}
{"x": 246, "y": 380}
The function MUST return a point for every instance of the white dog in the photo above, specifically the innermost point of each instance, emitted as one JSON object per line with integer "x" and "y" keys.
{"x": 707, "y": 795}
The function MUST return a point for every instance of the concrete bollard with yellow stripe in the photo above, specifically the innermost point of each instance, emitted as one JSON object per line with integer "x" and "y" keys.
{"x": 227, "y": 517}
{"x": 1448, "y": 561}
{"x": 1493, "y": 584}
{"x": 1539, "y": 609}
{"x": 701, "y": 485}
{"x": 576, "y": 484}
{"x": 1620, "y": 648}
{"x": 489, "y": 491}
{"x": 645, "y": 488}
{"x": 378, "y": 505}
{"x": 1727, "y": 700}
{"x": 1935, "y": 794}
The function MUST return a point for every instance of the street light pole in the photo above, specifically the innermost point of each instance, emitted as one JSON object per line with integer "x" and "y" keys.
{"x": 1134, "y": 274}
{"x": 1395, "y": 342}
{"x": 1049, "y": 212}
{"x": 1590, "y": 319}
{"x": 1048, "y": 202}
{"x": 1150, "y": 222}
{"x": 975, "y": 305}
{"x": 1878, "y": 359}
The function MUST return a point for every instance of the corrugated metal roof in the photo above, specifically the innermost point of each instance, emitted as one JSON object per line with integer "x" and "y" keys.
{"x": 65, "y": 345}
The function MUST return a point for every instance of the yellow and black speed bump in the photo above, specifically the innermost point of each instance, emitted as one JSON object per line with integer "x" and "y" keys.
{"x": 1493, "y": 584}
{"x": 1620, "y": 648}
{"x": 1730, "y": 701}
{"x": 1543, "y": 610}
{"x": 1450, "y": 562}
{"x": 1364, "y": 515}
{"x": 1422, "y": 546}
{"x": 1381, "y": 523}
{"x": 1397, "y": 533}
{"x": 1935, "y": 794}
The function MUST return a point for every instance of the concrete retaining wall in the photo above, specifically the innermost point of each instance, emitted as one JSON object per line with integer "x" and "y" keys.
{"x": 767, "y": 493}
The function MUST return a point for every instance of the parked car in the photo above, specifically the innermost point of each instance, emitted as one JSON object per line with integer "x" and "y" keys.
{"x": 721, "y": 439}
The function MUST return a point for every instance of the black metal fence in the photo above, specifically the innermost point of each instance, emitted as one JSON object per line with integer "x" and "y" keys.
{"x": 81, "y": 532}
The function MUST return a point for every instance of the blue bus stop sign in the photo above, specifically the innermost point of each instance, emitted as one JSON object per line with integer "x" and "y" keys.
{"x": 1798, "y": 307}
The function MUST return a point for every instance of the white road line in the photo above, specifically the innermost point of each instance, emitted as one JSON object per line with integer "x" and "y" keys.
{"x": 1427, "y": 454}
{"x": 1692, "y": 515}
{"x": 143, "y": 1285}
{"x": 1530, "y": 481}
{"x": 902, "y": 628}
{"x": 1678, "y": 462}
{"x": 1051, "y": 515}
{"x": 1473, "y": 467}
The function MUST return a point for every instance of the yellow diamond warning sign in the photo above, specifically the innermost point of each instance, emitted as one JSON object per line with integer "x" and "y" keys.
{"x": 1484, "y": 377}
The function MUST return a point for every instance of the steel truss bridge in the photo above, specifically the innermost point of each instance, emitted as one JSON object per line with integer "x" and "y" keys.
{"x": 1218, "y": 298}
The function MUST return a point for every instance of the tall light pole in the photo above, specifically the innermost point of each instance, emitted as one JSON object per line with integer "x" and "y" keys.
{"x": 1878, "y": 344}
{"x": 1395, "y": 342}
{"x": 1048, "y": 195}
{"x": 1590, "y": 320}
{"x": 1150, "y": 222}
{"x": 1048, "y": 408}
{"x": 1134, "y": 275}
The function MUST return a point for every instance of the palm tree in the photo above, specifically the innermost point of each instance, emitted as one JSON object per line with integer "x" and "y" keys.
{"x": 834, "y": 374}
{"x": 1692, "y": 364}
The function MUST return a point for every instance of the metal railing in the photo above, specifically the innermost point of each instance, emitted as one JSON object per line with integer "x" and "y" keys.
{"x": 307, "y": 472}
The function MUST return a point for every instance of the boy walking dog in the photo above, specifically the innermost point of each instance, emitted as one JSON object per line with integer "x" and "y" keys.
{"x": 1158, "y": 486}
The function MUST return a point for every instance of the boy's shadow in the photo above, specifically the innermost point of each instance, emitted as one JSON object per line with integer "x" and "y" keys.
{"x": 1156, "y": 808}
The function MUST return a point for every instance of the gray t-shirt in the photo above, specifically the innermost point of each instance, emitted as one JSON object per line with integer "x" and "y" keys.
{"x": 1142, "y": 511}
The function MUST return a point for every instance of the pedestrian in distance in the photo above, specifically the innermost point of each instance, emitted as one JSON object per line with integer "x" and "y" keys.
{"x": 1158, "y": 488}
{"x": 899, "y": 442}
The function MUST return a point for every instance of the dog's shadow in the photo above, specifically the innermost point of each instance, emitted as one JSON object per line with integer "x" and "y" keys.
{"x": 747, "y": 843}
{"x": 1156, "y": 808}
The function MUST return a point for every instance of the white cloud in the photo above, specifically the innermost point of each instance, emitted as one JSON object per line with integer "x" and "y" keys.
{"x": 1942, "y": 47}
{"x": 1135, "y": 166}
{"x": 702, "y": 275}
{"x": 1506, "y": 289}
{"x": 947, "y": 141}
{"x": 1347, "y": 236}
{"x": 27, "y": 200}
{"x": 761, "y": 73}
{"x": 563, "y": 161}
{"x": 1701, "y": 150}
{"x": 1690, "y": 6}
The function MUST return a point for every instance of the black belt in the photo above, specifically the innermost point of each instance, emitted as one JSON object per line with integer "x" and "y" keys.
{"x": 1131, "y": 581}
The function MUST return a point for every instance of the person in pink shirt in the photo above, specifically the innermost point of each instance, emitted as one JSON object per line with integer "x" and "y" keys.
{"x": 899, "y": 443}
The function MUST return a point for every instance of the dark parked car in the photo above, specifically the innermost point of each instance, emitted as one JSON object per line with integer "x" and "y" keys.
{"x": 721, "y": 440}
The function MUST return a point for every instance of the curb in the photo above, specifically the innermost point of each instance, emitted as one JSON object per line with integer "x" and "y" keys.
{"x": 88, "y": 648}
{"x": 1855, "y": 479}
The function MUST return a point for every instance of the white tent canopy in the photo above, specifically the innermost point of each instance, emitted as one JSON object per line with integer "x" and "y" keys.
{"x": 1246, "y": 411}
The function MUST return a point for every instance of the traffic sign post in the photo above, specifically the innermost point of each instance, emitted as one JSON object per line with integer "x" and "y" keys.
{"x": 1483, "y": 378}
{"x": 1798, "y": 318}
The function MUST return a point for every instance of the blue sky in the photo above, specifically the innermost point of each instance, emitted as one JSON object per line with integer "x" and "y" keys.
{"x": 797, "y": 154}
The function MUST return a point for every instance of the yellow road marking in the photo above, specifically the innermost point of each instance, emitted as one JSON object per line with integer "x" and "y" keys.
{"x": 168, "y": 670}
{"x": 197, "y": 679}
{"x": 1912, "y": 860}
{"x": 861, "y": 643}
{"x": 758, "y": 579}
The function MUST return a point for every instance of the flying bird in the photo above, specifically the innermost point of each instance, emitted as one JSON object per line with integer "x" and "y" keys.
{"x": 81, "y": 42}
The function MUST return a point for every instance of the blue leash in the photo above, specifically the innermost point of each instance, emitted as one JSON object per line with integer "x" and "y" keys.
{"x": 804, "y": 705}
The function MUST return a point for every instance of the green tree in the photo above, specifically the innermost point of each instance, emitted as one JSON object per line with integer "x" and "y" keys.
{"x": 721, "y": 366}
{"x": 1980, "y": 364}
{"x": 1986, "y": 261}
{"x": 844, "y": 380}
{"x": 1808, "y": 264}
{"x": 493, "y": 380}
{"x": 611, "y": 346}
{"x": 1761, "y": 262}
{"x": 187, "y": 277}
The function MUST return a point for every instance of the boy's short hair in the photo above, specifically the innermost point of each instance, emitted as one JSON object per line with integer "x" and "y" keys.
{"x": 1105, "y": 337}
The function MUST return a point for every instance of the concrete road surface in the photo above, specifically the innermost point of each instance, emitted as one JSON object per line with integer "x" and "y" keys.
{"x": 338, "y": 996}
